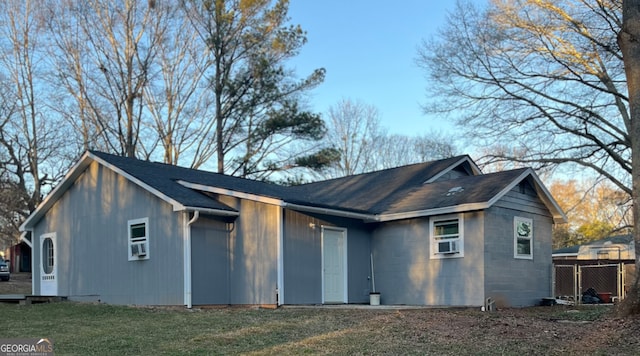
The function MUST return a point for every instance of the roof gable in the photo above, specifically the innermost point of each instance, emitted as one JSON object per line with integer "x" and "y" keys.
{"x": 374, "y": 192}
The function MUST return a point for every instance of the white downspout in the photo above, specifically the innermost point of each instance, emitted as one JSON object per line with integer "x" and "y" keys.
{"x": 187, "y": 256}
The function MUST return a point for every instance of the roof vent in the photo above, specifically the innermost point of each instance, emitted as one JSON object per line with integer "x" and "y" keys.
{"x": 455, "y": 190}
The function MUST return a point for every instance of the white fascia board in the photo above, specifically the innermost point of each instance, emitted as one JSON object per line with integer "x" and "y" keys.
{"x": 476, "y": 170}
{"x": 333, "y": 212}
{"x": 564, "y": 255}
{"x": 232, "y": 193}
{"x": 431, "y": 212}
{"x": 210, "y": 211}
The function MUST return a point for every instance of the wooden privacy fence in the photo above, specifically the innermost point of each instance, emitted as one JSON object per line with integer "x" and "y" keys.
{"x": 578, "y": 283}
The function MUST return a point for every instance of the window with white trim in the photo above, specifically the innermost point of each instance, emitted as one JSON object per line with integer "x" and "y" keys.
{"x": 446, "y": 236}
{"x": 138, "y": 243}
{"x": 522, "y": 238}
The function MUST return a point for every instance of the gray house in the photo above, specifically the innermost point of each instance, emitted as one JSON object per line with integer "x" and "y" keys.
{"x": 123, "y": 231}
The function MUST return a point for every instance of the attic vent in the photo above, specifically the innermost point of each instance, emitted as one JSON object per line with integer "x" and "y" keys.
{"x": 455, "y": 190}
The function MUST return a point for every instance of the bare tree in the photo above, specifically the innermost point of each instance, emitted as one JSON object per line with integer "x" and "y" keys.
{"x": 559, "y": 78}
{"x": 363, "y": 145}
{"x": 177, "y": 98}
{"x": 545, "y": 77}
{"x": 31, "y": 140}
{"x": 105, "y": 55}
{"x": 397, "y": 150}
{"x": 353, "y": 129}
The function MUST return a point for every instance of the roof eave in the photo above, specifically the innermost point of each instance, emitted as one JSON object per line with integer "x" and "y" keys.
{"x": 209, "y": 211}
{"x": 431, "y": 212}
{"x": 232, "y": 193}
{"x": 333, "y": 212}
{"x": 73, "y": 174}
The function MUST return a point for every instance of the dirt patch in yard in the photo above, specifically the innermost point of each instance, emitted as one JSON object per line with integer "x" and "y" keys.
{"x": 540, "y": 330}
{"x": 20, "y": 283}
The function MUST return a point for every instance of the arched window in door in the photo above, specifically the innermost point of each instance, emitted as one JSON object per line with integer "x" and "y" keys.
{"x": 47, "y": 255}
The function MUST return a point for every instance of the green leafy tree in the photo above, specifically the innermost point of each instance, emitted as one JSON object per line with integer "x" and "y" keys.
{"x": 595, "y": 210}
{"x": 256, "y": 98}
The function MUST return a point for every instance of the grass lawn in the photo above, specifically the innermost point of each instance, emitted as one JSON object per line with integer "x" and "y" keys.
{"x": 86, "y": 329}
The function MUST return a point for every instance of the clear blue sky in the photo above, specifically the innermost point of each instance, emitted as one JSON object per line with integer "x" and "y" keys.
{"x": 368, "y": 48}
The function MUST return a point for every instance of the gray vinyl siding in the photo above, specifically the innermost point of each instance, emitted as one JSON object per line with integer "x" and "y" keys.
{"x": 253, "y": 248}
{"x": 210, "y": 262}
{"x": 527, "y": 201}
{"x": 90, "y": 221}
{"x": 510, "y": 281}
{"x": 359, "y": 252}
{"x": 303, "y": 257}
{"x": 405, "y": 274}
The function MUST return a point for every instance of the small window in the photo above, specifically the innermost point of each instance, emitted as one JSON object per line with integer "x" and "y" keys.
{"x": 523, "y": 238}
{"x": 447, "y": 239}
{"x": 138, "y": 242}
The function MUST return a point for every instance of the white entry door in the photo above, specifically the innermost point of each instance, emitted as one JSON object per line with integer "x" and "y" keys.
{"x": 334, "y": 265}
{"x": 48, "y": 265}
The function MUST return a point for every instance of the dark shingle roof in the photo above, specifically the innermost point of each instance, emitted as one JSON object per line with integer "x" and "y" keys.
{"x": 164, "y": 178}
{"x": 391, "y": 191}
{"x": 459, "y": 191}
{"x": 370, "y": 192}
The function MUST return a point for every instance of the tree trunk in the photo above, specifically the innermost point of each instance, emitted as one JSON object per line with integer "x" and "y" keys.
{"x": 629, "y": 41}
